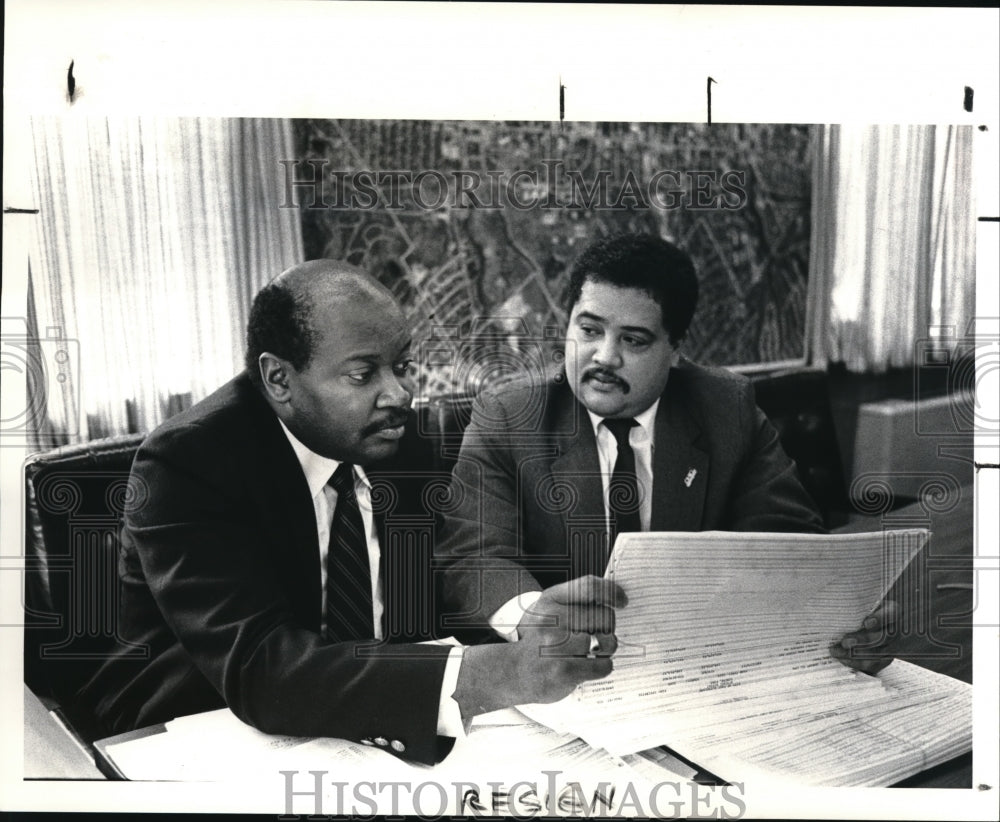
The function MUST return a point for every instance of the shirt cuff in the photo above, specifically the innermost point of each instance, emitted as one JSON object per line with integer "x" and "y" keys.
{"x": 449, "y": 714}
{"x": 508, "y": 616}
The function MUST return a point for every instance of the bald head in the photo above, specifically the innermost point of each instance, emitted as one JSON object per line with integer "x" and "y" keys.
{"x": 316, "y": 280}
{"x": 290, "y": 313}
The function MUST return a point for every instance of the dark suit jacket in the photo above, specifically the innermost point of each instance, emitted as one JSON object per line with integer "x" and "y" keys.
{"x": 532, "y": 501}
{"x": 221, "y": 582}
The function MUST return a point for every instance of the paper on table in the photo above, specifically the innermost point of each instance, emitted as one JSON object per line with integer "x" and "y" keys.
{"x": 731, "y": 631}
{"x": 156, "y": 758}
{"x": 201, "y": 747}
{"x": 503, "y": 716}
{"x": 217, "y": 746}
{"x": 923, "y": 719}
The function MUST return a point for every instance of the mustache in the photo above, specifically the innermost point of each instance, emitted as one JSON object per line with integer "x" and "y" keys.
{"x": 597, "y": 371}
{"x": 395, "y": 418}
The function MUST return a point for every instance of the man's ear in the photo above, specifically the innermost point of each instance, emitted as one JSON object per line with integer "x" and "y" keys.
{"x": 675, "y": 358}
{"x": 274, "y": 376}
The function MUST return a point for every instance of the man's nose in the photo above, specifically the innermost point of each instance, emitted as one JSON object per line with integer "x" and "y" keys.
{"x": 397, "y": 392}
{"x": 608, "y": 353}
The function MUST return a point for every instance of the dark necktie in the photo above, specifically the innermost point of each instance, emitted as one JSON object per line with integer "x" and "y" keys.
{"x": 348, "y": 580}
{"x": 623, "y": 490}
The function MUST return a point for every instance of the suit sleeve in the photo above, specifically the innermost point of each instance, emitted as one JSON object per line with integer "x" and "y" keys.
{"x": 767, "y": 494}
{"x": 481, "y": 542}
{"x": 213, "y": 577}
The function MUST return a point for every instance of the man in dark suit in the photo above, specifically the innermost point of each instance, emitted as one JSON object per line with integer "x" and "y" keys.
{"x": 256, "y": 566}
{"x": 628, "y": 437}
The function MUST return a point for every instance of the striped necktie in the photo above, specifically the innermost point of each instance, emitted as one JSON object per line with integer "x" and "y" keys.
{"x": 348, "y": 579}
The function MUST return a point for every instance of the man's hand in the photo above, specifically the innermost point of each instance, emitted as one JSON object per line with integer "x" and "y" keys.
{"x": 868, "y": 642}
{"x": 568, "y": 636}
{"x": 553, "y": 654}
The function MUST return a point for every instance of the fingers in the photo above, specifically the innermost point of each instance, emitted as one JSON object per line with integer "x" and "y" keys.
{"x": 558, "y": 620}
{"x": 867, "y": 665}
{"x": 874, "y": 628}
{"x": 585, "y": 605}
{"x": 588, "y": 646}
{"x": 864, "y": 640}
{"x": 598, "y": 668}
{"x": 591, "y": 619}
{"x": 597, "y": 663}
{"x": 883, "y": 617}
{"x": 569, "y": 671}
{"x": 589, "y": 589}
{"x": 579, "y": 624}
{"x": 861, "y": 651}
{"x": 873, "y": 666}
{"x": 602, "y": 645}
{"x": 544, "y": 673}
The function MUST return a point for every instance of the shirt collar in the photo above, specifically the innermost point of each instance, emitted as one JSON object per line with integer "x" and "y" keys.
{"x": 317, "y": 469}
{"x": 645, "y": 420}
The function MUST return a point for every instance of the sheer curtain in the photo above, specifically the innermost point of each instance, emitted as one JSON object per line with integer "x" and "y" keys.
{"x": 152, "y": 237}
{"x": 893, "y": 241}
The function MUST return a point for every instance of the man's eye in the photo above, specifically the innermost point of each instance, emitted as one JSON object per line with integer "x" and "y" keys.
{"x": 589, "y": 331}
{"x": 635, "y": 342}
{"x": 403, "y": 368}
{"x": 360, "y": 377}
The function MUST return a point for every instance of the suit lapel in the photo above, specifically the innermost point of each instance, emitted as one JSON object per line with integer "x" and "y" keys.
{"x": 577, "y": 463}
{"x": 680, "y": 466}
{"x": 283, "y": 493}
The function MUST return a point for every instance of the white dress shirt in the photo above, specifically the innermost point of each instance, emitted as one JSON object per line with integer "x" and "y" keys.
{"x": 318, "y": 471}
{"x": 507, "y": 617}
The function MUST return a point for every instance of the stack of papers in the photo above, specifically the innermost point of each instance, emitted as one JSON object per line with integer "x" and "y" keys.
{"x": 506, "y": 765}
{"x": 724, "y": 656}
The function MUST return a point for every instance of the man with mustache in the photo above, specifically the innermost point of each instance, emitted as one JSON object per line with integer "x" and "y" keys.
{"x": 630, "y": 437}
{"x": 256, "y": 569}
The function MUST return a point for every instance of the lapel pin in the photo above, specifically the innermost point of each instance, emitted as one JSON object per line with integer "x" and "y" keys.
{"x": 691, "y": 474}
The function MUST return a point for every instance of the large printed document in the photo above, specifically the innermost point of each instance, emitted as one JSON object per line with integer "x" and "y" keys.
{"x": 723, "y": 655}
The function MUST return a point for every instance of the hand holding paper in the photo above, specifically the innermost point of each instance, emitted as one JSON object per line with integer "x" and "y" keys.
{"x": 555, "y": 648}
{"x": 565, "y": 616}
{"x": 553, "y": 653}
{"x": 725, "y": 655}
{"x": 860, "y": 649}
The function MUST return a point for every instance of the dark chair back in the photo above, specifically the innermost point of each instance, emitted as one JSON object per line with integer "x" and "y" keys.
{"x": 443, "y": 421}
{"x": 798, "y": 404}
{"x": 75, "y": 499}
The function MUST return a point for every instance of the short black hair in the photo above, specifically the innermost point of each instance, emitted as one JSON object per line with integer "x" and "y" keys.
{"x": 281, "y": 324}
{"x": 645, "y": 262}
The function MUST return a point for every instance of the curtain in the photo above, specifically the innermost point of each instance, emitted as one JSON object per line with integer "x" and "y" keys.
{"x": 892, "y": 259}
{"x": 153, "y": 235}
